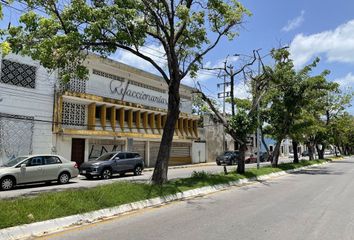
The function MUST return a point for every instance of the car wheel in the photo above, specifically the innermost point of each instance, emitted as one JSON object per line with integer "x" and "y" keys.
{"x": 89, "y": 177}
{"x": 106, "y": 173}
{"x": 7, "y": 183}
{"x": 138, "y": 170}
{"x": 64, "y": 178}
{"x": 218, "y": 163}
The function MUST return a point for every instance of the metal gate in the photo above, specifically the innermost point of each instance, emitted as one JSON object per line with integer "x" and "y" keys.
{"x": 16, "y": 133}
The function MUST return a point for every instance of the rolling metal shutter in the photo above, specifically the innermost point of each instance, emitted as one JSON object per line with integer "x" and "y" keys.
{"x": 181, "y": 150}
{"x": 154, "y": 150}
{"x": 139, "y": 147}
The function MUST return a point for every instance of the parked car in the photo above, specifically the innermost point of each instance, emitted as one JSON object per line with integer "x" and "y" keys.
{"x": 305, "y": 153}
{"x": 111, "y": 163}
{"x": 253, "y": 157}
{"x": 228, "y": 157}
{"x": 36, "y": 168}
{"x": 328, "y": 152}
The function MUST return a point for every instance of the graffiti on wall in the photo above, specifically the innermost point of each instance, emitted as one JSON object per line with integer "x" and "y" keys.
{"x": 97, "y": 150}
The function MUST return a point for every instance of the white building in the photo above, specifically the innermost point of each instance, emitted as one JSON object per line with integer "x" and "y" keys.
{"x": 26, "y": 107}
{"x": 118, "y": 108}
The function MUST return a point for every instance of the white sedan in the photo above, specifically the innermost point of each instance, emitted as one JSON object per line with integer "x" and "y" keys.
{"x": 36, "y": 168}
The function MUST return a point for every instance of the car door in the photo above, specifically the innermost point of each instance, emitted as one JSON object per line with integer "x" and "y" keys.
{"x": 120, "y": 163}
{"x": 131, "y": 160}
{"x": 33, "y": 172}
{"x": 51, "y": 168}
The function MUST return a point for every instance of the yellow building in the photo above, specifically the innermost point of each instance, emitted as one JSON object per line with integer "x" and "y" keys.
{"x": 119, "y": 107}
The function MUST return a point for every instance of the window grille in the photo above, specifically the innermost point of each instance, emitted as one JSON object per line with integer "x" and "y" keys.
{"x": 74, "y": 115}
{"x": 18, "y": 74}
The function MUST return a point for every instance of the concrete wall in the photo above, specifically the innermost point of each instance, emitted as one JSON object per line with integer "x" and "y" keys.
{"x": 107, "y": 87}
{"x": 198, "y": 152}
{"x": 31, "y": 102}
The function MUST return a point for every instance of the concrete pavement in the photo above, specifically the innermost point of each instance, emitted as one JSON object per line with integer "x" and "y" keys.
{"x": 311, "y": 204}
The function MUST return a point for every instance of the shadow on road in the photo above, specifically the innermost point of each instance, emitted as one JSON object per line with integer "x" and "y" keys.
{"x": 321, "y": 171}
{"x": 343, "y": 161}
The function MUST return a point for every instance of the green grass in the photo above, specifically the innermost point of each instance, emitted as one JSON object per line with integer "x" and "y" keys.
{"x": 59, "y": 204}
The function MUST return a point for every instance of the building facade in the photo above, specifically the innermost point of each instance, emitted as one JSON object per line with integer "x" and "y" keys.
{"x": 117, "y": 108}
{"x": 216, "y": 141}
{"x": 120, "y": 108}
{"x": 26, "y": 107}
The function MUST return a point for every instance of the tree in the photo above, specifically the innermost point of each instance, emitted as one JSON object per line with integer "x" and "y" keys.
{"x": 59, "y": 37}
{"x": 342, "y": 133}
{"x": 290, "y": 94}
{"x": 242, "y": 121}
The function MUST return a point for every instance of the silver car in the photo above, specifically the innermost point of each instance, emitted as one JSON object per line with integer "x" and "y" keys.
{"x": 36, "y": 168}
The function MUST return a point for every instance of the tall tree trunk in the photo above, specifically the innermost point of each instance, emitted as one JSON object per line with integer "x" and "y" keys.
{"x": 336, "y": 150}
{"x": 161, "y": 167}
{"x": 269, "y": 158}
{"x": 276, "y": 153}
{"x": 310, "y": 150}
{"x": 343, "y": 149}
{"x": 320, "y": 151}
{"x": 296, "y": 154}
{"x": 241, "y": 162}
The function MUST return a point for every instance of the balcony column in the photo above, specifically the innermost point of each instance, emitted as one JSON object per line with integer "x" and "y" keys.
{"x": 91, "y": 119}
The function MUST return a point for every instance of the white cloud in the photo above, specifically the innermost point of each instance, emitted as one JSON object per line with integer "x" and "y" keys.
{"x": 294, "y": 23}
{"x": 337, "y": 45}
{"x": 156, "y": 52}
{"x": 347, "y": 81}
{"x": 205, "y": 77}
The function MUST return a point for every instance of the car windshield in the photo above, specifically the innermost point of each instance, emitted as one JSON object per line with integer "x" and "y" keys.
{"x": 105, "y": 157}
{"x": 14, "y": 161}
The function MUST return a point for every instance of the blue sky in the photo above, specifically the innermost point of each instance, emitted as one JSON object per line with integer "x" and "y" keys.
{"x": 311, "y": 28}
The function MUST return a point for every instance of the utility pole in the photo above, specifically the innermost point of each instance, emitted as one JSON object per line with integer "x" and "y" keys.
{"x": 258, "y": 118}
{"x": 223, "y": 95}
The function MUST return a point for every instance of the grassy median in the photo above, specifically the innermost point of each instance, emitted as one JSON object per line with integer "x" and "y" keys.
{"x": 69, "y": 202}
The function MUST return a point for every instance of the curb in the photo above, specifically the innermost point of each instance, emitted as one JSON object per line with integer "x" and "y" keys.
{"x": 185, "y": 166}
{"x": 59, "y": 224}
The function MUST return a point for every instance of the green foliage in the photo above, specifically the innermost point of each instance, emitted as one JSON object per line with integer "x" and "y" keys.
{"x": 296, "y": 101}
{"x": 61, "y": 38}
{"x": 243, "y": 123}
{"x": 241, "y": 103}
{"x": 199, "y": 107}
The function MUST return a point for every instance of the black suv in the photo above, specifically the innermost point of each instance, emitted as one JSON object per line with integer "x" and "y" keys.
{"x": 228, "y": 157}
{"x": 111, "y": 163}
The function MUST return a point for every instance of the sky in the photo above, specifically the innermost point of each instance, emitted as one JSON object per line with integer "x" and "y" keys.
{"x": 311, "y": 29}
{"x": 314, "y": 28}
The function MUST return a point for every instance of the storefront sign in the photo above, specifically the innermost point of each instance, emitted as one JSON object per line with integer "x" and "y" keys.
{"x": 122, "y": 89}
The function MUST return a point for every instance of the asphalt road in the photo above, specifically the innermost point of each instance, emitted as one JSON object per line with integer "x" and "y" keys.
{"x": 82, "y": 182}
{"x": 312, "y": 204}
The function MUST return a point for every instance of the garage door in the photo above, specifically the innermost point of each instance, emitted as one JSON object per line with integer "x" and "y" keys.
{"x": 139, "y": 147}
{"x": 154, "y": 151}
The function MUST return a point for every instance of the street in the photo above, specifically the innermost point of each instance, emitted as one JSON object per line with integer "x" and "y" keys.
{"x": 82, "y": 182}
{"x": 311, "y": 204}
